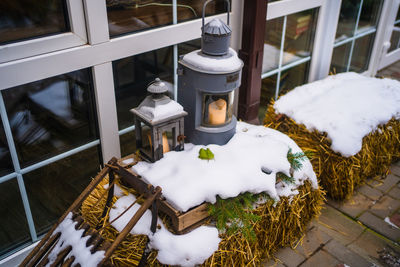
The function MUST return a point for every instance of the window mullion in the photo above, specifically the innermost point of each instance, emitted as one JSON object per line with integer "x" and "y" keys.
{"x": 17, "y": 168}
{"x": 96, "y": 21}
{"x": 106, "y": 110}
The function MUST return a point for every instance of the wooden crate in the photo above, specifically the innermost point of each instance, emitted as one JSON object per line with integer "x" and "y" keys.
{"x": 182, "y": 222}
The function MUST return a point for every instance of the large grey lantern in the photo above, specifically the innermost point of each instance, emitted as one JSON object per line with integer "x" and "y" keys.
{"x": 208, "y": 78}
{"x": 159, "y": 124}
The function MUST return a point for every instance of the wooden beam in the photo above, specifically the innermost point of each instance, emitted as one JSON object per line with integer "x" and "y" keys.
{"x": 254, "y": 20}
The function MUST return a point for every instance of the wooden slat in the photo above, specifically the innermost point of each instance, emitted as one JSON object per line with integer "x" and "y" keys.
{"x": 192, "y": 217}
{"x": 45, "y": 250}
{"x": 74, "y": 206}
{"x": 68, "y": 262}
{"x": 135, "y": 218}
{"x": 61, "y": 256}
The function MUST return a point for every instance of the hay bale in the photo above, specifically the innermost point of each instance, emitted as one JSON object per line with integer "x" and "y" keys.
{"x": 281, "y": 224}
{"x": 339, "y": 175}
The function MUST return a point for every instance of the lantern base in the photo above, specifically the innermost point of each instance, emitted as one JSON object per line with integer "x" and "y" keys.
{"x": 202, "y": 135}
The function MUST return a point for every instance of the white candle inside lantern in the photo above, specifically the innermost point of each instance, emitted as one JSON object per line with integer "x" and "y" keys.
{"x": 164, "y": 142}
{"x": 217, "y": 112}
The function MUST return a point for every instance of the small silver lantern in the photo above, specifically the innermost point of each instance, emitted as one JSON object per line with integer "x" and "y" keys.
{"x": 207, "y": 80}
{"x": 159, "y": 123}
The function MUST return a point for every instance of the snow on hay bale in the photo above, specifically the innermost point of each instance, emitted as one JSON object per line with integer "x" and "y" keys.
{"x": 281, "y": 221}
{"x": 349, "y": 122}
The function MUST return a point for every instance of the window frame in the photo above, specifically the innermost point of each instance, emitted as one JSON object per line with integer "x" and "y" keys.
{"x": 40, "y": 45}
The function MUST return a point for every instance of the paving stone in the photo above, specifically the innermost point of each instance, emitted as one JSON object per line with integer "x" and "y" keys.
{"x": 390, "y": 181}
{"x": 290, "y": 257}
{"x": 272, "y": 263}
{"x": 385, "y": 206}
{"x": 370, "y": 192}
{"x": 339, "y": 226}
{"x": 369, "y": 244}
{"x": 355, "y": 206}
{"x": 314, "y": 239}
{"x": 321, "y": 258}
{"x": 395, "y": 192}
{"x": 395, "y": 168}
{"x": 345, "y": 255}
{"x": 395, "y": 219}
{"x": 380, "y": 226}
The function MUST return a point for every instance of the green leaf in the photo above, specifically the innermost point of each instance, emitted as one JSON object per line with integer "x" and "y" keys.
{"x": 205, "y": 154}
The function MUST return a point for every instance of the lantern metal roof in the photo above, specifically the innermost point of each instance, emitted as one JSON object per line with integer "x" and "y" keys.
{"x": 157, "y": 87}
{"x": 217, "y": 27}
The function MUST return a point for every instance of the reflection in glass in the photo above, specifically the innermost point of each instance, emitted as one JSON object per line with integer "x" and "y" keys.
{"x": 299, "y": 36}
{"x": 25, "y": 19}
{"x": 340, "y": 58}
{"x": 362, "y": 52}
{"x": 14, "y": 229}
{"x": 395, "y": 38}
{"x": 192, "y": 9}
{"x": 65, "y": 179}
{"x": 187, "y": 47}
{"x": 272, "y": 44}
{"x": 133, "y": 74}
{"x": 347, "y": 19}
{"x": 131, "y": 16}
{"x": 369, "y": 15}
{"x": 217, "y": 109}
{"x": 268, "y": 88}
{"x": 5, "y": 158}
{"x": 293, "y": 77}
{"x": 51, "y": 116}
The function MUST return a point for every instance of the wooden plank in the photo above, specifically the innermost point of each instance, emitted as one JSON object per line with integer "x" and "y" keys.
{"x": 193, "y": 216}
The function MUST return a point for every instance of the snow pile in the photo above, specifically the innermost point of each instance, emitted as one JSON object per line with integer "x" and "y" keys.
{"x": 72, "y": 237}
{"x": 160, "y": 110}
{"x": 185, "y": 250}
{"x": 227, "y": 63}
{"x": 239, "y": 166}
{"x": 346, "y": 106}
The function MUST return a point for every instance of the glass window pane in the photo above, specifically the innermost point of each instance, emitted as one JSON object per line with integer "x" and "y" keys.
{"x": 340, "y": 58}
{"x": 347, "y": 19}
{"x": 51, "y": 116}
{"x": 133, "y": 74}
{"x": 362, "y": 53}
{"x": 299, "y": 36}
{"x": 53, "y": 188}
{"x": 293, "y": 77}
{"x": 187, "y": 47}
{"x": 192, "y": 9}
{"x": 14, "y": 229}
{"x": 268, "y": 89}
{"x": 24, "y": 19}
{"x": 369, "y": 16}
{"x": 272, "y": 44}
{"x": 395, "y": 38}
{"x": 131, "y": 16}
{"x": 5, "y": 158}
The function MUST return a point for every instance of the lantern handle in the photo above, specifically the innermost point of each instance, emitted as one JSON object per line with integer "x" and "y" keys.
{"x": 204, "y": 13}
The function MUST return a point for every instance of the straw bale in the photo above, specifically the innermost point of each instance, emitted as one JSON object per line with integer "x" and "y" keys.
{"x": 339, "y": 175}
{"x": 281, "y": 224}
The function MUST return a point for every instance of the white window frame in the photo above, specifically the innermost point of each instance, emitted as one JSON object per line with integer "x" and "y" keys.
{"x": 323, "y": 39}
{"x": 41, "y": 45}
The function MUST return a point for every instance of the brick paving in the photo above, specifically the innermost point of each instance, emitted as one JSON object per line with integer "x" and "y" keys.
{"x": 352, "y": 233}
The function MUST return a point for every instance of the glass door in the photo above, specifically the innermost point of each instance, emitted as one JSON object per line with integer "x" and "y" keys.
{"x": 391, "y": 41}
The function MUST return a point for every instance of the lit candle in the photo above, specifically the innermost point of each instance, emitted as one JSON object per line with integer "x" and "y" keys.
{"x": 217, "y": 112}
{"x": 164, "y": 142}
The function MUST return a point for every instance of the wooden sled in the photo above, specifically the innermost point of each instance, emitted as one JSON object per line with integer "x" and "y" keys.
{"x": 39, "y": 256}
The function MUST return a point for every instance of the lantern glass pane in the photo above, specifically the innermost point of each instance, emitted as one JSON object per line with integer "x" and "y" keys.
{"x": 272, "y": 44}
{"x": 217, "y": 109}
{"x": 299, "y": 35}
{"x": 167, "y": 143}
{"x": 147, "y": 144}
